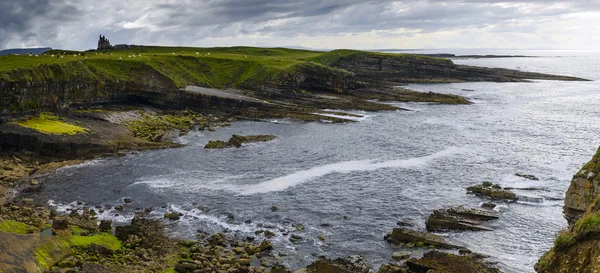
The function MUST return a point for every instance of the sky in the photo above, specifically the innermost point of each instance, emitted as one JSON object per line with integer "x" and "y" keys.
{"x": 359, "y": 24}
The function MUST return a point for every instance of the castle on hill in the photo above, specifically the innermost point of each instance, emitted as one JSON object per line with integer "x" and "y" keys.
{"x": 104, "y": 43}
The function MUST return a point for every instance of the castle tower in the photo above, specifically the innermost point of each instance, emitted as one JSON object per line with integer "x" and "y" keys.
{"x": 103, "y": 43}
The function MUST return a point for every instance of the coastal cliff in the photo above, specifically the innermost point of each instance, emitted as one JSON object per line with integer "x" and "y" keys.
{"x": 577, "y": 249}
{"x": 81, "y": 80}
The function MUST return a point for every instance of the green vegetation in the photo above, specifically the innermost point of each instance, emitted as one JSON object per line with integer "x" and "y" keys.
{"x": 104, "y": 239}
{"x": 14, "y": 227}
{"x": 563, "y": 240}
{"x": 57, "y": 247}
{"x": 51, "y": 124}
{"x": 153, "y": 127}
{"x": 219, "y": 67}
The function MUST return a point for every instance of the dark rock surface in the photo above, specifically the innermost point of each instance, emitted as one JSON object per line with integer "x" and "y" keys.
{"x": 460, "y": 218}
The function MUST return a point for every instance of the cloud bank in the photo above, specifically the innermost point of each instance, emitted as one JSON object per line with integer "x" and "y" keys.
{"x": 76, "y": 24}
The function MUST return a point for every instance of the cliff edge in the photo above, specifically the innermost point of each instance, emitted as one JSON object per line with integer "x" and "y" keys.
{"x": 577, "y": 249}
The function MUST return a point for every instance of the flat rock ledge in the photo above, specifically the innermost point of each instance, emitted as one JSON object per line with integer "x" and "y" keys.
{"x": 493, "y": 191}
{"x": 402, "y": 236}
{"x": 460, "y": 218}
{"x": 237, "y": 141}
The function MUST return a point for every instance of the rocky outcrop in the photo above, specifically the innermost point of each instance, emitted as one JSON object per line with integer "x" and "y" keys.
{"x": 352, "y": 264}
{"x": 584, "y": 188}
{"x": 460, "y": 218}
{"x": 408, "y": 236}
{"x": 420, "y": 69}
{"x": 576, "y": 250}
{"x": 493, "y": 191}
{"x": 237, "y": 141}
{"x": 435, "y": 261}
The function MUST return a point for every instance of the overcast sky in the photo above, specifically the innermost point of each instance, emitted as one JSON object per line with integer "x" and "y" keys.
{"x": 76, "y": 24}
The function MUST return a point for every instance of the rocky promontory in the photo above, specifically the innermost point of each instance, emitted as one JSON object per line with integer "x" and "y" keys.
{"x": 577, "y": 249}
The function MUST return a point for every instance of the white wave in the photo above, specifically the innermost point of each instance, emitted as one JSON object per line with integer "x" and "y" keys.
{"x": 299, "y": 177}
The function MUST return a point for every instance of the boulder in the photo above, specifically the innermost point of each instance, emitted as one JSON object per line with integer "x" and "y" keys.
{"x": 60, "y": 223}
{"x": 352, "y": 264}
{"x": 405, "y": 236}
{"x": 172, "y": 216}
{"x": 265, "y": 245}
{"x": 459, "y": 218}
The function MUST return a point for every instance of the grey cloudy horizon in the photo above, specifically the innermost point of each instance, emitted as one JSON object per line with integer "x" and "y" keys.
{"x": 76, "y": 24}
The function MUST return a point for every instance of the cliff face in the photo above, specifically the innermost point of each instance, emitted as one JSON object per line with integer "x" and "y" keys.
{"x": 577, "y": 249}
{"x": 584, "y": 189}
{"x": 52, "y": 87}
{"x": 420, "y": 69}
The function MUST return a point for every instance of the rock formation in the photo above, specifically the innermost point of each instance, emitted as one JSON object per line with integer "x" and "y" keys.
{"x": 460, "y": 218}
{"x": 577, "y": 249}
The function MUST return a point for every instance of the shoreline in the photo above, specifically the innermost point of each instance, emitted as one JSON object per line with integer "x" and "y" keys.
{"x": 97, "y": 115}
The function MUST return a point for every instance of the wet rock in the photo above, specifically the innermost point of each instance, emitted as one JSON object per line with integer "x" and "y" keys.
{"x": 321, "y": 238}
{"x": 265, "y": 245}
{"x": 444, "y": 262}
{"x": 217, "y": 144}
{"x": 127, "y": 200}
{"x": 119, "y": 207}
{"x": 295, "y": 238}
{"x": 488, "y": 205}
{"x": 60, "y": 223}
{"x": 406, "y": 236}
{"x": 268, "y": 233}
{"x": 105, "y": 225}
{"x": 238, "y": 140}
{"x": 34, "y": 182}
{"x": 459, "y": 218}
{"x": 401, "y": 255}
{"x": 404, "y": 224}
{"x": 217, "y": 239}
{"x": 352, "y": 264}
{"x": 172, "y": 216}
{"x": 492, "y": 191}
{"x": 527, "y": 176}
{"x": 274, "y": 208}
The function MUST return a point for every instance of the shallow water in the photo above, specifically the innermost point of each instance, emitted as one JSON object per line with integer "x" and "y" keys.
{"x": 361, "y": 178}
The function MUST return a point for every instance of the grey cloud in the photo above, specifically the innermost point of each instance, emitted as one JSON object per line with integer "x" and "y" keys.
{"x": 186, "y": 22}
{"x": 20, "y": 19}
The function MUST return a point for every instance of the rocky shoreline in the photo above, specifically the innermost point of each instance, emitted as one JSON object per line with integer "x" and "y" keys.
{"x": 107, "y": 117}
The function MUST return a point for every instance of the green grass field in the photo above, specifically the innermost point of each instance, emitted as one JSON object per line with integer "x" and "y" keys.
{"x": 217, "y": 67}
